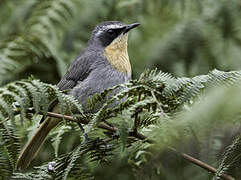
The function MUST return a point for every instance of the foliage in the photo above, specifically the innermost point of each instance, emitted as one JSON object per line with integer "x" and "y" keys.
{"x": 198, "y": 115}
{"x": 231, "y": 156}
{"x": 155, "y": 102}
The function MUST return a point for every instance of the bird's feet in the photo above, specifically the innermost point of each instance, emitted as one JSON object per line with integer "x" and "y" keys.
{"x": 86, "y": 138}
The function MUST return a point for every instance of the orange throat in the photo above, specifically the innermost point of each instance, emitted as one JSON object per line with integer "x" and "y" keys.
{"x": 117, "y": 55}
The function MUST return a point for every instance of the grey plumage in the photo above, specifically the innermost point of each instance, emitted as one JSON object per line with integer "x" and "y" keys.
{"x": 91, "y": 59}
{"x": 91, "y": 72}
{"x": 103, "y": 64}
{"x": 95, "y": 77}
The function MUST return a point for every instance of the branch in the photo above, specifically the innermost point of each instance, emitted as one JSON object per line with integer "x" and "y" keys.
{"x": 142, "y": 137}
{"x": 205, "y": 166}
{"x": 102, "y": 126}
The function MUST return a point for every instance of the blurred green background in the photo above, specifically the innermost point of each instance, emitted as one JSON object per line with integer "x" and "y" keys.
{"x": 183, "y": 37}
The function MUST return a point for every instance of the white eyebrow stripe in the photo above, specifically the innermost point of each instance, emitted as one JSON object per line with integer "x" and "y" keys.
{"x": 113, "y": 26}
{"x": 110, "y": 26}
{"x": 99, "y": 32}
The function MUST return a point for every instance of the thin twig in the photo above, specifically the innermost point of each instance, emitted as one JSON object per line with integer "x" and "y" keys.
{"x": 102, "y": 126}
{"x": 142, "y": 137}
{"x": 158, "y": 102}
{"x": 136, "y": 121}
{"x": 205, "y": 166}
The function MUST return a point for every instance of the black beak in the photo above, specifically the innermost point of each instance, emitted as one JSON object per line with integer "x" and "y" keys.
{"x": 130, "y": 26}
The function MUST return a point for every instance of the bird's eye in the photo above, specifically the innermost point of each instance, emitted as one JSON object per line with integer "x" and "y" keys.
{"x": 110, "y": 31}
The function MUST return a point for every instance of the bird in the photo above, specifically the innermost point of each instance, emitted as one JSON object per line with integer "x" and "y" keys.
{"x": 103, "y": 64}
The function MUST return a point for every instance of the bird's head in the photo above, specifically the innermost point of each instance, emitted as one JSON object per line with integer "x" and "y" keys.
{"x": 110, "y": 32}
{"x": 111, "y": 37}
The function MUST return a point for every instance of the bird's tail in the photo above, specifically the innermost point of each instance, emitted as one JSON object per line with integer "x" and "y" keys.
{"x": 33, "y": 146}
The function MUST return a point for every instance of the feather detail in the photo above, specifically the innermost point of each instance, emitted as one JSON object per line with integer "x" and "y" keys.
{"x": 117, "y": 55}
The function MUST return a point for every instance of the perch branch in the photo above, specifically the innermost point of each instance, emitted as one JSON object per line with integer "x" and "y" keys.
{"x": 142, "y": 137}
{"x": 204, "y": 166}
{"x": 102, "y": 126}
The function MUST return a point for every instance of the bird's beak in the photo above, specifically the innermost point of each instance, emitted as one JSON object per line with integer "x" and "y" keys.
{"x": 130, "y": 26}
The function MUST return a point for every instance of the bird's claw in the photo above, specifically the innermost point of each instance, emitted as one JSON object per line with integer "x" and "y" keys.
{"x": 86, "y": 138}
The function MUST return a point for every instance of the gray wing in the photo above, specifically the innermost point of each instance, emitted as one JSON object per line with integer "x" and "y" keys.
{"x": 78, "y": 71}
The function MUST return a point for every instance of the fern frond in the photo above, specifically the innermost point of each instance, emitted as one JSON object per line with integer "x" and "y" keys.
{"x": 232, "y": 156}
{"x": 71, "y": 164}
{"x": 25, "y": 94}
{"x": 194, "y": 86}
{"x": 58, "y": 137}
{"x": 40, "y": 39}
{"x": 10, "y": 146}
{"x": 142, "y": 103}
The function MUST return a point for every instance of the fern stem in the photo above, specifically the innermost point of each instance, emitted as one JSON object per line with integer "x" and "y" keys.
{"x": 136, "y": 121}
{"x": 102, "y": 126}
{"x": 142, "y": 137}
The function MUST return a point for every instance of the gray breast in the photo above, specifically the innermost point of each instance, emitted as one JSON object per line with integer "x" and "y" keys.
{"x": 98, "y": 80}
